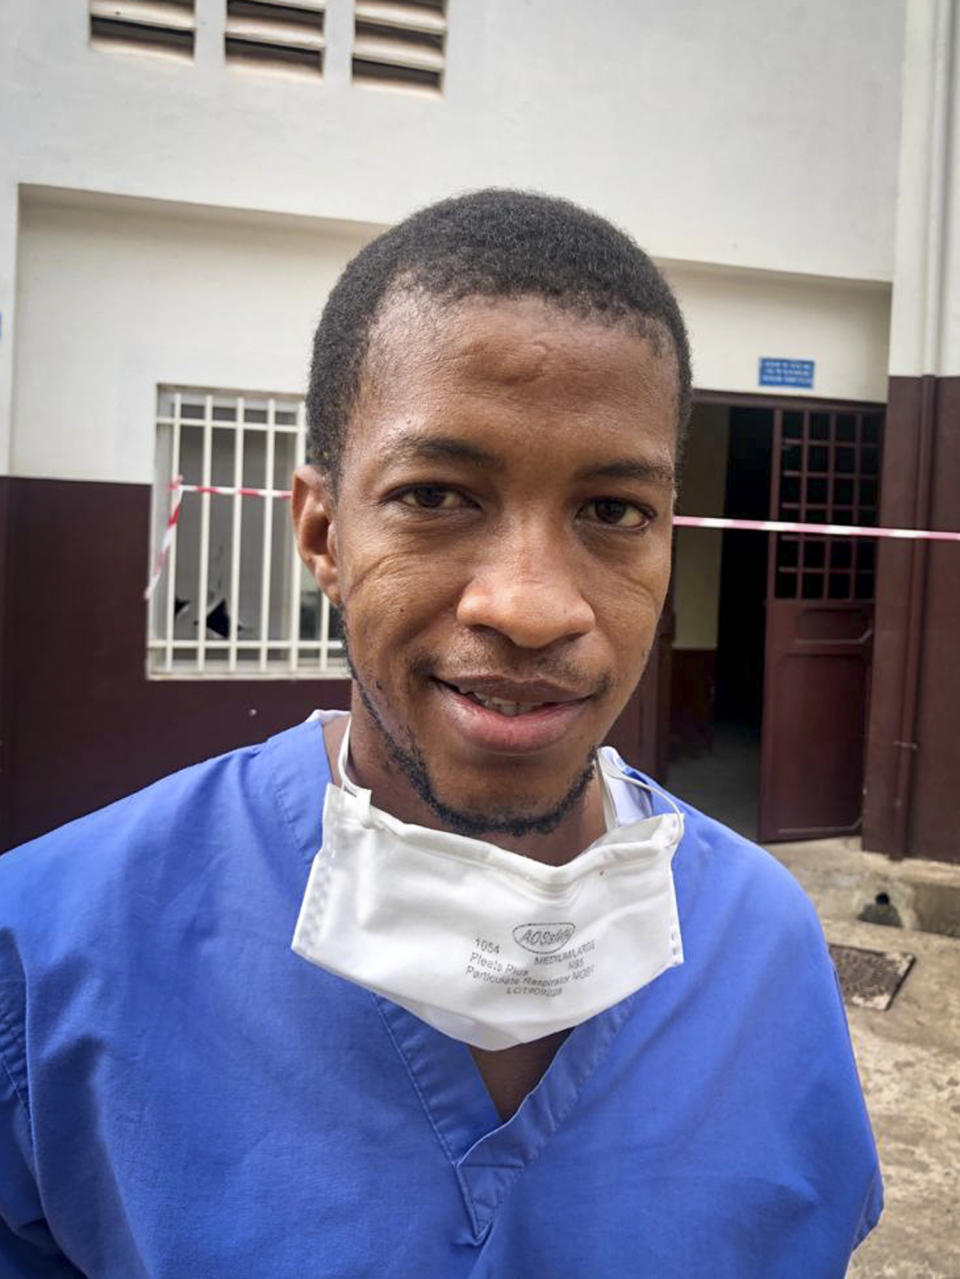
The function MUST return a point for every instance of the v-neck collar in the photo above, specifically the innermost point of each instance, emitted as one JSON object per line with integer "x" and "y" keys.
{"x": 487, "y": 1155}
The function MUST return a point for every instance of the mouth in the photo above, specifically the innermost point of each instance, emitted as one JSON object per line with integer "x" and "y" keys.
{"x": 510, "y": 709}
{"x": 512, "y": 698}
{"x": 507, "y": 716}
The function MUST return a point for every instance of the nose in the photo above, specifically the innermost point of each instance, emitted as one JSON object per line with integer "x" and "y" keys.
{"x": 528, "y": 592}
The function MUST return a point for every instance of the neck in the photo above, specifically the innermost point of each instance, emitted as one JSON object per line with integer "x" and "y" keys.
{"x": 371, "y": 767}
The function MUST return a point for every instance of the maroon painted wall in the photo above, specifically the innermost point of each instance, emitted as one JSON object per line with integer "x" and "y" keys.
{"x": 80, "y": 723}
{"x": 912, "y": 789}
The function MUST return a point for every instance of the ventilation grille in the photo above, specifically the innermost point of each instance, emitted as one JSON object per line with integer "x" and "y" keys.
{"x": 399, "y": 42}
{"x": 280, "y": 33}
{"x": 165, "y": 26}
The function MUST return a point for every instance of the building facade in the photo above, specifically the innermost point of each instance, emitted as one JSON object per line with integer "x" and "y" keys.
{"x": 181, "y": 182}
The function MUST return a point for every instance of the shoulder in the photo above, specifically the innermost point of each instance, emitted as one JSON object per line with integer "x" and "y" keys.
{"x": 751, "y": 1032}
{"x": 739, "y": 905}
{"x": 727, "y": 863}
{"x": 161, "y": 841}
{"x": 713, "y": 860}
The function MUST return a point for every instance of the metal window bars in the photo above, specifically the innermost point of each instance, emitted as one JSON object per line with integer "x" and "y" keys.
{"x": 234, "y": 600}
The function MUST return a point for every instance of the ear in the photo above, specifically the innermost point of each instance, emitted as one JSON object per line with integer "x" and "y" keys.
{"x": 313, "y": 510}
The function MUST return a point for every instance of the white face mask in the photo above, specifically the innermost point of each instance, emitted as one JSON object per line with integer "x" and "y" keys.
{"x": 488, "y": 946}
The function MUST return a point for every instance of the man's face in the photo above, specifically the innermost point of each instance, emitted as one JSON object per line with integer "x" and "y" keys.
{"x": 500, "y": 545}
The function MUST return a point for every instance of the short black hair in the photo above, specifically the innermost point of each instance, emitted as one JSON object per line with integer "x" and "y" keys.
{"x": 491, "y": 243}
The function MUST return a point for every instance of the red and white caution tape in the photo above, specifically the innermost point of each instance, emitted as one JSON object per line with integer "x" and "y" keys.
{"x": 816, "y": 530}
{"x": 178, "y": 488}
{"x": 176, "y": 501}
{"x": 219, "y": 490}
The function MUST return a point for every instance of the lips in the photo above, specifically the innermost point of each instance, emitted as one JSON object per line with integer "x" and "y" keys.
{"x": 533, "y": 692}
{"x": 513, "y": 697}
{"x": 509, "y": 716}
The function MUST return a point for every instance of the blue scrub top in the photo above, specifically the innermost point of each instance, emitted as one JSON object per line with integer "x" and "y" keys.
{"x": 182, "y": 1096}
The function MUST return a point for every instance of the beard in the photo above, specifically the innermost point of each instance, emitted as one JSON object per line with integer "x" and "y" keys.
{"x": 411, "y": 763}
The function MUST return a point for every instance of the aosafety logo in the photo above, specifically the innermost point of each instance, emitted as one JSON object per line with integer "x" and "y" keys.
{"x": 543, "y": 939}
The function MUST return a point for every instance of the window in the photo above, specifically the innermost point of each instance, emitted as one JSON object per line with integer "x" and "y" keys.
{"x": 233, "y": 599}
{"x": 828, "y": 467}
{"x": 399, "y": 42}
{"x": 281, "y": 33}
{"x": 165, "y": 26}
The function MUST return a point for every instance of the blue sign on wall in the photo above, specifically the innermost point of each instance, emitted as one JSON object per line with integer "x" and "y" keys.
{"x": 796, "y": 373}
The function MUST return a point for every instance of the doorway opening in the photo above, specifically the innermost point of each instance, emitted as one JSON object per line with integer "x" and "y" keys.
{"x": 719, "y": 600}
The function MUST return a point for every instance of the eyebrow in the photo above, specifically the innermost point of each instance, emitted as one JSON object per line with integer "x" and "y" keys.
{"x": 444, "y": 448}
{"x": 630, "y": 468}
{"x": 439, "y": 448}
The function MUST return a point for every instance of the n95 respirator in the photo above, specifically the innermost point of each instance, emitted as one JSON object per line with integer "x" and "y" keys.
{"x": 488, "y": 946}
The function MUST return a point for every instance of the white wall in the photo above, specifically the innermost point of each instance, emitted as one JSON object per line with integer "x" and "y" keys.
{"x": 731, "y": 134}
{"x": 115, "y": 297}
{"x": 8, "y": 263}
{"x": 925, "y": 331}
{"x": 113, "y": 302}
{"x": 728, "y": 132}
{"x": 735, "y": 317}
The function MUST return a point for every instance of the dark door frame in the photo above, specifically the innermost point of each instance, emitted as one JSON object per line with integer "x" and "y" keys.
{"x": 749, "y": 399}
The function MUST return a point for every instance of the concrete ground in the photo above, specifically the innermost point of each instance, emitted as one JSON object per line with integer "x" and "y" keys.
{"x": 909, "y": 1056}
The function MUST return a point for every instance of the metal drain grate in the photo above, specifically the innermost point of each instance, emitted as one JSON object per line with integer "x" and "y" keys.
{"x": 870, "y": 978}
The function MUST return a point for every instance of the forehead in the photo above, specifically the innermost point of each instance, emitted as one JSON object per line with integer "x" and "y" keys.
{"x": 493, "y": 366}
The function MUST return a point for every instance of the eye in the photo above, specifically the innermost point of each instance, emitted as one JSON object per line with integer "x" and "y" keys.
{"x": 616, "y": 512}
{"x": 432, "y": 497}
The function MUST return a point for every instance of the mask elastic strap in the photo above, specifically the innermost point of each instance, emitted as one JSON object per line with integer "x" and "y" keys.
{"x": 611, "y": 769}
{"x": 609, "y": 807}
{"x": 347, "y": 783}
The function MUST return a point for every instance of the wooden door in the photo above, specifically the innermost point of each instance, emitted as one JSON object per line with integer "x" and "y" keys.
{"x": 819, "y": 625}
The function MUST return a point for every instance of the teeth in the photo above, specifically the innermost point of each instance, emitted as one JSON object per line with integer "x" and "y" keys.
{"x": 509, "y": 709}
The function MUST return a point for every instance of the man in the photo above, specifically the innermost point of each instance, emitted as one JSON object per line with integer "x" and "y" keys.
{"x": 533, "y": 1020}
